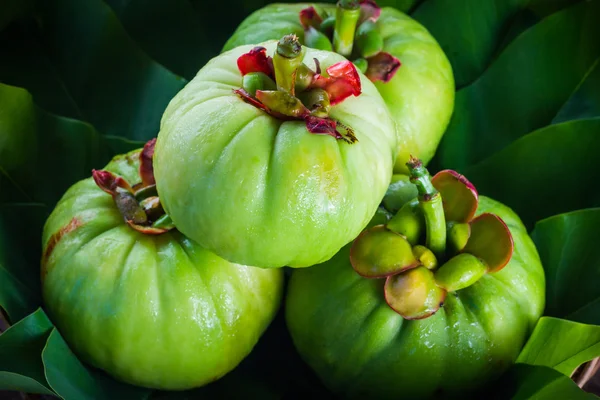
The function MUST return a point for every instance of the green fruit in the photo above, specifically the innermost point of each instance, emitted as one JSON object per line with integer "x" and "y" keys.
{"x": 459, "y": 272}
{"x": 361, "y": 348}
{"x": 260, "y": 191}
{"x": 421, "y": 94}
{"x": 156, "y": 311}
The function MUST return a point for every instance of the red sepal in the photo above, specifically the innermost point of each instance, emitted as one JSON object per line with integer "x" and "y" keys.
{"x": 256, "y": 60}
{"x": 146, "y": 166}
{"x": 322, "y": 125}
{"x": 109, "y": 182}
{"x": 343, "y": 81}
{"x": 382, "y": 67}
{"x": 369, "y": 10}
{"x": 310, "y": 17}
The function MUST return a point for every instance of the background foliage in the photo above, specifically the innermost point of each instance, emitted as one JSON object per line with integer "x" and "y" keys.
{"x": 81, "y": 81}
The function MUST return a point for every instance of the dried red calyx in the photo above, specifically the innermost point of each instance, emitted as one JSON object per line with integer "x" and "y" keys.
{"x": 139, "y": 205}
{"x": 351, "y": 32}
{"x": 286, "y": 88}
{"x": 460, "y": 247}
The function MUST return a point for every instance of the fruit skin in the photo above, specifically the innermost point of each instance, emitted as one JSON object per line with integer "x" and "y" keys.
{"x": 155, "y": 311}
{"x": 361, "y": 348}
{"x": 259, "y": 191}
{"x": 421, "y": 94}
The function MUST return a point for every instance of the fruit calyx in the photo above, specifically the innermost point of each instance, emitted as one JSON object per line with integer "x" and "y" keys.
{"x": 138, "y": 204}
{"x": 351, "y": 31}
{"x": 286, "y": 88}
{"x": 460, "y": 248}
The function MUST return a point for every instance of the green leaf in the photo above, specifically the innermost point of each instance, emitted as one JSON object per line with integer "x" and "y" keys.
{"x": 553, "y": 170}
{"x": 524, "y": 88}
{"x": 569, "y": 251}
{"x": 184, "y": 35}
{"x": 468, "y": 31}
{"x": 585, "y": 101}
{"x": 73, "y": 380}
{"x": 20, "y": 233}
{"x": 561, "y": 344}
{"x": 41, "y": 155}
{"x": 96, "y": 70}
{"x": 531, "y": 382}
{"x": 172, "y": 32}
{"x": 21, "y": 366}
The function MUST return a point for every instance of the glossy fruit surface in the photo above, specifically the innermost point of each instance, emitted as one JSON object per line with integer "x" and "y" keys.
{"x": 265, "y": 192}
{"x": 156, "y": 311}
{"x": 361, "y": 348}
{"x": 421, "y": 94}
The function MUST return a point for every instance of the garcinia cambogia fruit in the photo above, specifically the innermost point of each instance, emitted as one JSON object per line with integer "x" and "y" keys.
{"x": 275, "y": 154}
{"x": 139, "y": 300}
{"x": 442, "y": 327}
{"x": 398, "y": 54}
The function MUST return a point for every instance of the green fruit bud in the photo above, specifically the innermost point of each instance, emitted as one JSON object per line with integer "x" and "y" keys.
{"x": 317, "y": 101}
{"x": 425, "y": 257}
{"x": 400, "y": 192}
{"x": 317, "y": 40}
{"x": 409, "y": 222}
{"x": 460, "y": 272}
{"x": 361, "y": 64}
{"x": 458, "y": 236}
{"x": 414, "y": 294}
{"x": 257, "y": 81}
{"x": 369, "y": 41}
{"x": 378, "y": 252}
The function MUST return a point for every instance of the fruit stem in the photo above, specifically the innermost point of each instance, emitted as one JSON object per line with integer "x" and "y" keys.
{"x": 286, "y": 61}
{"x": 347, "y": 15}
{"x": 430, "y": 201}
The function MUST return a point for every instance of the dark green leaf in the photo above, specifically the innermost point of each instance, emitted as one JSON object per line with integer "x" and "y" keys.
{"x": 172, "y": 32}
{"x": 561, "y": 344}
{"x": 468, "y": 31}
{"x": 585, "y": 101}
{"x": 547, "y": 7}
{"x": 184, "y": 35}
{"x": 75, "y": 381}
{"x": 12, "y": 9}
{"x": 529, "y": 382}
{"x": 402, "y": 5}
{"x": 41, "y": 155}
{"x": 21, "y": 366}
{"x": 568, "y": 247}
{"x": 524, "y": 88}
{"x": 20, "y": 243}
{"x": 550, "y": 171}
{"x": 97, "y": 71}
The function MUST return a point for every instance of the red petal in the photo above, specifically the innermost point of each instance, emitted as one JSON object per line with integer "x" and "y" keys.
{"x": 369, "y": 10}
{"x": 343, "y": 81}
{"x": 256, "y": 60}
{"x": 322, "y": 126}
{"x": 109, "y": 182}
{"x": 310, "y": 17}
{"x": 382, "y": 67}
{"x": 146, "y": 167}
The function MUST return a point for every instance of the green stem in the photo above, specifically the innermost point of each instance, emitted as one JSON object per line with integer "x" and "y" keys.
{"x": 286, "y": 61}
{"x": 431, "y": 204}
{"x": 347, "y": 15}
